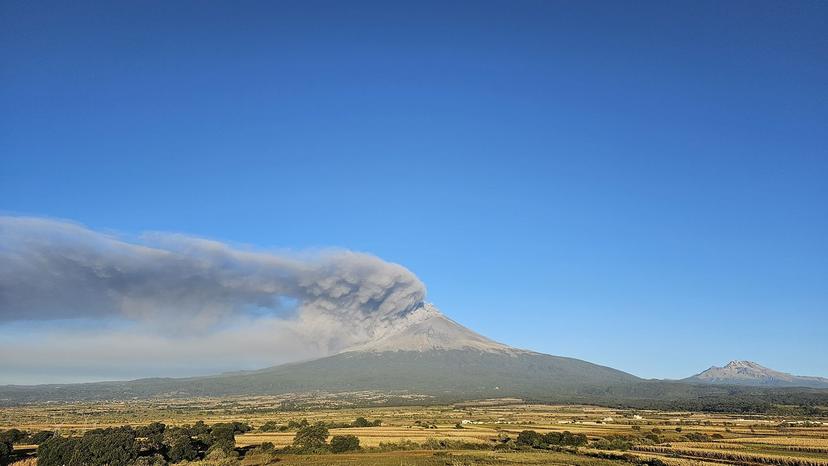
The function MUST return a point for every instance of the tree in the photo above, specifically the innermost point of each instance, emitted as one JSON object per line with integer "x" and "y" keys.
{"x": 56, "y": 451}
{"x": 297, "y": 424}
{"x": 530, "y": 438}
{"x": 106, "y": 447}
{"x": 180, "y": 445}
{"x": 40, "y": 437}
{"x": 343, "y": 443}
{"x": 5, "y": 452}
{"x": 269, "y": 426}
{"x": 311, "y": 438}
{"x": 361, "y": 422}
{"x": 12, "y": 436}
{"x": 223, "y": 436}
{"x": 152, "y": 436}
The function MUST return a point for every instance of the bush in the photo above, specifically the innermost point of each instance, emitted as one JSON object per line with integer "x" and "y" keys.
{"x": 697, "y": 437}
{"x": 402, "y": 445}
{"x": 343, "y": 443}
{"x": 150, "y": 429}
{"x": 653, "y": 438}
{"x": 448, "y": 444}
{"x": 219, "y": 457}
{"x": 614, "y": 442}
{"x": 261, "y": 455}
{"x": 270, "y": 426}
{"x": 154, "y": 460}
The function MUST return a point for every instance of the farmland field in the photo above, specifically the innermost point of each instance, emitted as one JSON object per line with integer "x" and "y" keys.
{"x": 485, "y": 432}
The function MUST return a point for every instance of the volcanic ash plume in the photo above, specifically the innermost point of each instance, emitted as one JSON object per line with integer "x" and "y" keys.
{"x": 182, "y": 285}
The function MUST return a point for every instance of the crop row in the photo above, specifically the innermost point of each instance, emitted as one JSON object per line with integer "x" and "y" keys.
{"x": 740, "y": 456}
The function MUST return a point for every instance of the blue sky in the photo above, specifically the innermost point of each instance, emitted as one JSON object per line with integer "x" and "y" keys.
{"x": 641, "y": 185}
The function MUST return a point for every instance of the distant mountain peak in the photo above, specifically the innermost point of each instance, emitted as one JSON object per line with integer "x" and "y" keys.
{"x": 427, "y": 329}
{"x": 743, "y": 372}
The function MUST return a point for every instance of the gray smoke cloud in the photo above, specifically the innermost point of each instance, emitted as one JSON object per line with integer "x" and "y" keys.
{"x": 176, "y": 285}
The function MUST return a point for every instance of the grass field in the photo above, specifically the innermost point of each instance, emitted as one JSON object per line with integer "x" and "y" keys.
{"x": 430, "y": 435}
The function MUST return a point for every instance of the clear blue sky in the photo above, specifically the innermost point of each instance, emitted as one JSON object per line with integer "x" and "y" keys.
{"x": 639, "y": 184}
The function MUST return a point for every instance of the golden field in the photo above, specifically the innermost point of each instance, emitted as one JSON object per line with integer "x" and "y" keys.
{"x": 411, "y": 435}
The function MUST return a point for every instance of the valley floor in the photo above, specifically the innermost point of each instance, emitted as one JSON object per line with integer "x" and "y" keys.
{"x": 486, "y": 433}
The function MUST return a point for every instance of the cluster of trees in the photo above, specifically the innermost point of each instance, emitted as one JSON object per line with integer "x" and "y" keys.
{"x": 613, "y": 442}
{"x": 157, "y": 444}
{"x": 313, "y": 439}
{"x": 153, "y": 444}
{"x": 530, "y": 438}
{"x": 273, "y": 426}
{"x": 9, "y": 438}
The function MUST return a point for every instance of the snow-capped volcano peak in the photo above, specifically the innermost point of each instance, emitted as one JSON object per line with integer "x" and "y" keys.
{"x": 427, "y": 329}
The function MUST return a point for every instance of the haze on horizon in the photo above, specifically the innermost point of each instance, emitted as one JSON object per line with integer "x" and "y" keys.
{"x": 655, "y": 179}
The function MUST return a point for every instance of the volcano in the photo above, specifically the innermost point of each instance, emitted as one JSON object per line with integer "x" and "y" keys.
{"x": 426, "y": 353}
{"x": 749, "y": 373}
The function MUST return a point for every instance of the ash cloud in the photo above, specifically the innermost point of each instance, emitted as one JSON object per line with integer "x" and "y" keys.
{"x": 173, "y": 285}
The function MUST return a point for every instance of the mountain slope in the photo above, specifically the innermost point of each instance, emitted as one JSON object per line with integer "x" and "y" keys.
{"x": 429, "y": 329}
{"x": 427, "y": 354}
{"x": 751, "y": 374}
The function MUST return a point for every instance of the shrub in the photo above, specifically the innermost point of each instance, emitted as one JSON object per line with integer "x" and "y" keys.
{"x": 653, "y": 438}
{"x": 261, "y": 455}
{"x": 613, "y": 442}
{"x": 697, "y": 437}
{"x": 154, "y": 460}
{"x": 150, "y": 429}
{"x": 269, "y": 426}
{"x": 403, "y": 444}
{"x": 343, "y": 443}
